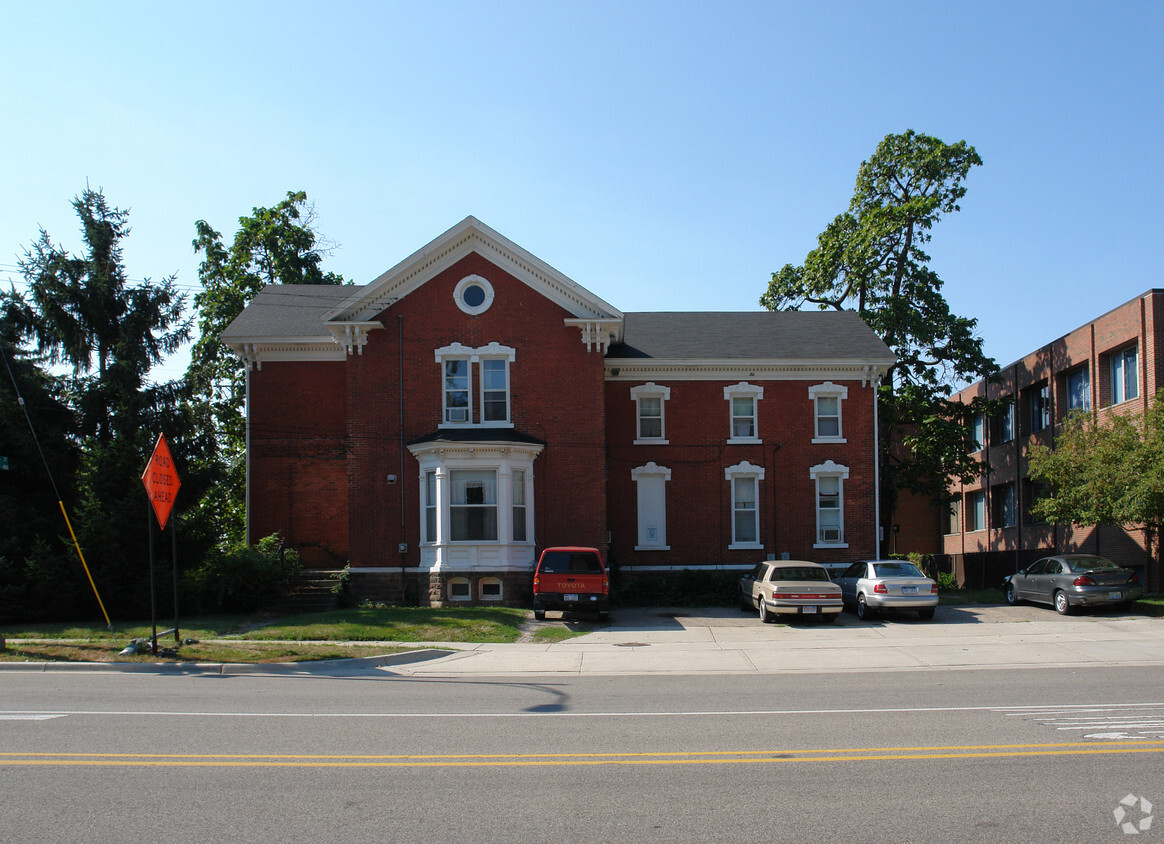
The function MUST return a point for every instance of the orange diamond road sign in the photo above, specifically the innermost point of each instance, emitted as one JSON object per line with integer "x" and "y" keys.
{"x": 161, "y": 481}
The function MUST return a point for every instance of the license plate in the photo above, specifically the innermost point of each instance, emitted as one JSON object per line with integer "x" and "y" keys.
{"x": 1115, "y": 596}
{"x": 908, "y": 590}
{"x": 569, "y": 597}
{"x": 808, "y": 610}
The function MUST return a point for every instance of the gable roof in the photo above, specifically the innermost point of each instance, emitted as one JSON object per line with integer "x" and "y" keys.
{"x": 470, "y": 235}
{"x": 791, "y": 337}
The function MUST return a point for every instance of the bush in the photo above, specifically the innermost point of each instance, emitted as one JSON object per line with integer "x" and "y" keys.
{"x": 947, "y": 581}
{"x": 244, "y": 578}
{"x": 345, "y": 598}
{"x": 686, "y": 588}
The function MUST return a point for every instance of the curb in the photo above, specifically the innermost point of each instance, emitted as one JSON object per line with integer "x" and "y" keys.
{"x": 328, "y": 666}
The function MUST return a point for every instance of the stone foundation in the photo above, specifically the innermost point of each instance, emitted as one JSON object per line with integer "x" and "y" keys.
{"x": 444, "y": 588}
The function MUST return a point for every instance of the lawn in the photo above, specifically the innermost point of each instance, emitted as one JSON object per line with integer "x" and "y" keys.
{"x": 255, "y": 639}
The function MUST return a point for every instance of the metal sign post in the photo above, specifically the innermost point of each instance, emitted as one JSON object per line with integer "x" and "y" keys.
{"x": 161, "y": 482}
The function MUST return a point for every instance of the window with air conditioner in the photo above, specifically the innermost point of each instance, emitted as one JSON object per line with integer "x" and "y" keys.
{"x": 830, "y": 503}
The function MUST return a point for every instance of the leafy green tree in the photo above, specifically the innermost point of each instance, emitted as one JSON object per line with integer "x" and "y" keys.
{"x": 83, "y": 311}
{"x": 871, "y": 259}
{"x": 1109, "y": 472}
{"x": 277, "y": 245}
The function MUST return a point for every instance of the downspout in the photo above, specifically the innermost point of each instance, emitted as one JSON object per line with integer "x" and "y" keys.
{"x": 400, "y": 543}
{"x": 247, "y": 399}
{"x": 875, "y": 379}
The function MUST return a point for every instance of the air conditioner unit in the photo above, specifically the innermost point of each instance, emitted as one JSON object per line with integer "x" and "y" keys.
{"x": 458, "y": 414}
{"x": 830, "y": 534}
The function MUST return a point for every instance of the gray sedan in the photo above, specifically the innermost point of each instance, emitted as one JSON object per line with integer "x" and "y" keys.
{"x": 1073, "y": 580}
{"x": 872, "y": 585}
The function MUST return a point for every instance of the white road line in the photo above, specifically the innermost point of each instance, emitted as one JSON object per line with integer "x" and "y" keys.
{"x": 1033, "y": 712}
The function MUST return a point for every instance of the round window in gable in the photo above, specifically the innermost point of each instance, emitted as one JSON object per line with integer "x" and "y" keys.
{"x": 473, "y": 295}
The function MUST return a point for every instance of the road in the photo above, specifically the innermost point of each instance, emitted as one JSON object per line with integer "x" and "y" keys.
{"x": 980, "y": 755}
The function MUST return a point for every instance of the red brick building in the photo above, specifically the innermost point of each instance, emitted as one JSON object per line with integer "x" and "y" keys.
{"x": 436, "y": 428}
{"x": 1111, "y": 365}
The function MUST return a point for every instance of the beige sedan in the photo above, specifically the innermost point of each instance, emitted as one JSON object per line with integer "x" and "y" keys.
{"x": 790, "y": 588}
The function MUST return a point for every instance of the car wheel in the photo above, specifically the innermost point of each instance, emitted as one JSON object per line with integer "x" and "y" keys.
{"x": 539, "y": 612}
{"x": 863, "y": 611}
{"x": 926, "y": 614}
{"x": 1062, "y": 605}
{"x": 603, "y": 615}
{"x": 765, "y": 616}
{"x": 1011, "y": 595}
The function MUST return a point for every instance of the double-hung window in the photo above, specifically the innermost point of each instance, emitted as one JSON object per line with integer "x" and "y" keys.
{"x": 458, "y": 384}
{"x": 978, "y": 431}
{"x": 830, "y": 503}
{"x": 650, "y": 399}
{"x": 743, "y": 399}
{"x": 976, "y": 510}
{"x": 827, "y": 399}
{"x": 1124, "y": 378}
{"x": 460, "y": 365}
{"x": 1005, "y": 507}
{"x": 745, "y": 480}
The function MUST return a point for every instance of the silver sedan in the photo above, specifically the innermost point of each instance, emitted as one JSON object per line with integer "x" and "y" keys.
{"x": 872, "y": 585}
{"x": 1067, "y": 581}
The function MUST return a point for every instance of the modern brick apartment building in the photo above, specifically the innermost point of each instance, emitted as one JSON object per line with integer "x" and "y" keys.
{"x": 436, "y": 428}
{"x": 1111, "y": 365}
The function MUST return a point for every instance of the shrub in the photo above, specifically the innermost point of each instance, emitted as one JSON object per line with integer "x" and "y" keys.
{"x": 685, "y": 588}
{"x": 244, "y": 578}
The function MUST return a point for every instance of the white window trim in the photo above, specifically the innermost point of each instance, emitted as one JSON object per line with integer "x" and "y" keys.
{"x": 731, "y": 473}
{"x": 829, "y": 469}
{"x": 828, "y": 390}
{"x": 474, "y": 355}
{"x": 467, "y": 281}
{"x": 459, "y": 581}
{"x": 740, "y": 390}
{"x": 1119, "y": 357}
{"x": 651, "y": 470}
{"x": 481, "y": 596}
{"x": 651, "y": 390}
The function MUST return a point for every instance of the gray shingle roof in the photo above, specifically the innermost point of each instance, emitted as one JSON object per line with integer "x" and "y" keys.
{"x": 762, "y": 335}
{"x": 288, "y": 311}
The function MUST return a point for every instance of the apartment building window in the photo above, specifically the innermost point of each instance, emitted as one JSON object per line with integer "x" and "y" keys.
{"x": 743, "y": 400}
{"x": 1078, "y": 389}
{"x": 827, "y": 399}
{"x": 492, "y": 363}
{"x": 830, "y": 503}
{"x": 745, "y": 480}
{"x": 1032, "y": 492}
{"x": 954, "y": 516}
{"x": 1124, "y": 375}
{"x": 473, "y": 508}
{"x": 1002, "y": 425}
{"x": 651, "y": 487}
{"x": 518, "y": 504}
{"x": 978, "y": 431}
{"x": 1005, "y": 509}
{"x": 1038, "y": 402}
{"x": 975, "y": 510}
{"x": 649, "y": 401}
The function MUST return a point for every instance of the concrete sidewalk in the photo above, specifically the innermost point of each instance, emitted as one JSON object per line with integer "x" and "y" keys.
{"x": 726, "y": 641}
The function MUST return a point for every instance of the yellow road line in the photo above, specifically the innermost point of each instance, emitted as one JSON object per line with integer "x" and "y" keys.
{"x": 577, "y": 759}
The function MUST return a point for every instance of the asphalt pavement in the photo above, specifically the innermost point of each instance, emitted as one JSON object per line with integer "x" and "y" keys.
{"x": 720, "y": 640}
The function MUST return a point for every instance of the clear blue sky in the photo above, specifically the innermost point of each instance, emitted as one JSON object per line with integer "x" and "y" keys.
{"x": 664, "y": 155}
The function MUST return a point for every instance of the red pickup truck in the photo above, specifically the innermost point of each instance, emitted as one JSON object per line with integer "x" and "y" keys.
{"x": 571, "y": 578}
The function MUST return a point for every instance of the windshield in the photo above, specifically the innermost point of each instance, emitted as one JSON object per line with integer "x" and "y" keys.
{"x": 897, "y": 570}
{"x": 798, "y": 573}
{"x": 1091, "y": 564}
{"x": 570, "y": 562}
